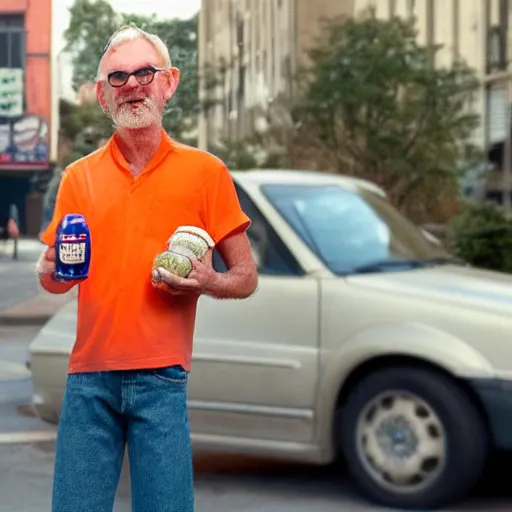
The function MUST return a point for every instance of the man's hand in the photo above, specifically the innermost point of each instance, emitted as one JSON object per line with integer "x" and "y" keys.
{"x": 200, "y": 280}
{"x": 46, "y": 263}
{"x": 239, "y": 282}
{"x": 45, "y": 269}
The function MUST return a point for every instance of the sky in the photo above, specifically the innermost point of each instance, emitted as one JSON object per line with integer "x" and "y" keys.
{"x": 165, "y": 8}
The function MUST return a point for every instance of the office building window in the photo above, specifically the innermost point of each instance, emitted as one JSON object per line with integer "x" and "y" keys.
{"x": 12, "y": 41}
{"x": 497, "y": 35}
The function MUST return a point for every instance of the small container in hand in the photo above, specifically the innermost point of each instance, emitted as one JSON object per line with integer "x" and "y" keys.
{"x": 186, "y": 244}
{"x": 72, "y": 249}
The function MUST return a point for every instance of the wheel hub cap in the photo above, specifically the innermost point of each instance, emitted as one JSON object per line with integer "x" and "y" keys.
{"x": 396, "y": 437}
{"x": 401, "y": 442}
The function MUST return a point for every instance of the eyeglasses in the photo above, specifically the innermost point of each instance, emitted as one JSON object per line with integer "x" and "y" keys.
{"x": 143, "y": 75}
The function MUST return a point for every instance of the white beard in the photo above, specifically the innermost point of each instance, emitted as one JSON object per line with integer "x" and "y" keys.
{"x": 134, "y": 117}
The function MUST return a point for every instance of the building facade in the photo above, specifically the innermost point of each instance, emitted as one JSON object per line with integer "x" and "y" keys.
{"x": 261, "y": 43}
{"x": 252, "y": 49}
{"x": 477, "y": 32}
{"x": 26, "y": 105}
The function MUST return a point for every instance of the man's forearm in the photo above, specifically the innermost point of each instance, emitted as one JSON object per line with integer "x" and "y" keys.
{"x": 52, "y": 286}
{"x": 236, "y": 283}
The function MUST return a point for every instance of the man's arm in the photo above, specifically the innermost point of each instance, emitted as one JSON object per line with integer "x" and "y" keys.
{"x": 65, "y": 203}
{"x": 226, "y": 223}
{"x": 241, "y": 279}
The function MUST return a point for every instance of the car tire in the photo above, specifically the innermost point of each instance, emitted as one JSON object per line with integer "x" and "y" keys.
{"x": 402, "y": 420}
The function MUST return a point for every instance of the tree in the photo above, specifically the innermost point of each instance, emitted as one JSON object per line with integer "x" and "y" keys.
{"x": 481, "y": 234}
{"x": 373, "y": 105}
{"x": 237, "y": 155}
{"x": 92, "y": 22}
{"x": 83, "y": 125}
{"x": 73, "y": 119}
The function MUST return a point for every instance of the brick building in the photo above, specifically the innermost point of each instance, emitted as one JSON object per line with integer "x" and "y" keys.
{"x": 26, "y": 106}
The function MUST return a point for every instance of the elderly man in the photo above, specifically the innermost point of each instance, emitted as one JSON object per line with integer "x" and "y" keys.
{"x": 126, "y": 382}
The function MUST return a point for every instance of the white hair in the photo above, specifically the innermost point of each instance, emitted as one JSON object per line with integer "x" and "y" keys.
{"x": 129, "y": 33}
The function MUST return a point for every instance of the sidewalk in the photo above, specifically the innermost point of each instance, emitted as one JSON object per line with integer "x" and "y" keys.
{"x": 22, "y": 300}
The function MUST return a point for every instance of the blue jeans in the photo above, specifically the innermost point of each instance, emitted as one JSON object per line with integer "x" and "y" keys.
{"x": 145, "y": 410}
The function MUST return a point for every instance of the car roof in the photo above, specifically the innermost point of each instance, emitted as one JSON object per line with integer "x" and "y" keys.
{"x": 302, "y": 177}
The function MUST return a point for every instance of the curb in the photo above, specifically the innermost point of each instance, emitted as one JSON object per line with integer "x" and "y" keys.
{"x": 20, "y": 321}
{"x": 36, "y": 311}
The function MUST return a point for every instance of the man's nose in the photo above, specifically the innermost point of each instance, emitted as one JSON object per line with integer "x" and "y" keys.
{"x": 131, "y": 83}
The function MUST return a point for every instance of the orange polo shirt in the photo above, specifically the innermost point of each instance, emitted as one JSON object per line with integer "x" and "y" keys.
{"x": 123, "y": 322}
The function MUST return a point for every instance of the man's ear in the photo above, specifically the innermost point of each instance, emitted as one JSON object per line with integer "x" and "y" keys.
{"x": 173, "y": 79}
{"x": 100, "y": 94}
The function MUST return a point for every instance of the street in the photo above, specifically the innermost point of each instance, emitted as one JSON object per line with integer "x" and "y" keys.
{"x": 17, "y": 276}
{"x": 227, "y": 484}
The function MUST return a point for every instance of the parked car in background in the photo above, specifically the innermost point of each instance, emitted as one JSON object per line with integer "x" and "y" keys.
{"x": 365, "y": 339}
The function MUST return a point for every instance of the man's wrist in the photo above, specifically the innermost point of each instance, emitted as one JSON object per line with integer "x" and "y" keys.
{"x": 233, "y": 284}
{"x": 53, "y": 284}
{"x": 214, "y": 285}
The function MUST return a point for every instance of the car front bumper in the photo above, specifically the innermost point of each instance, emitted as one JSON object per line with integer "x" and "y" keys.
{"x": 496, "y": 397}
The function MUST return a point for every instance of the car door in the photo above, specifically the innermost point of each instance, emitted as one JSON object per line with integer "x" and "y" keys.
{"x": 254, "y": 368}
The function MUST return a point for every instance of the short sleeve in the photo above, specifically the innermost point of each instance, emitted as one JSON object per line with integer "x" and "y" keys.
{"x": 65, "y": 203}
{"x": 224, "y": 215}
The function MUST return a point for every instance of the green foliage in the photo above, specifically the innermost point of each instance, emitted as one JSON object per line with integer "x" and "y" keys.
{"x": 92, "y": 22}
{"x": 373, "y": 104}
{"x": 248, "y": 153}
{"x": 482, "y": 236}
{"x": 236, "y": 155}
{"x": 84, "y": 125}
{"x": 75, "y": 118}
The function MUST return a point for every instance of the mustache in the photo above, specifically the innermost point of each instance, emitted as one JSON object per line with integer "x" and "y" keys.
{"x": 145, "y": 100}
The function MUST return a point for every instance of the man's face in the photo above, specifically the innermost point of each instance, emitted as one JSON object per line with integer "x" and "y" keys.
{"x": 132, "y": 105}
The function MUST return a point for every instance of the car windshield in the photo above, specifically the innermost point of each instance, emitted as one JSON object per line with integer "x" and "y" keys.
{"x": 353, "y": 230}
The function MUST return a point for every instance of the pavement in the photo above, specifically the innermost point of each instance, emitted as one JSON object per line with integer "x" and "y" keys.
{"x": 22, "y": 300}
{"x": 18, "y": 421}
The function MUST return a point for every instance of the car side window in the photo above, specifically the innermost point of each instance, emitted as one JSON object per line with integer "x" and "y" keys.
{"x": 270, "y": 253}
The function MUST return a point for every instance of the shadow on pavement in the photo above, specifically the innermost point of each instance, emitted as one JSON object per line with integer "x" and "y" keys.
{"x": 494, "y": 493}
{"x": 224, "y": 477}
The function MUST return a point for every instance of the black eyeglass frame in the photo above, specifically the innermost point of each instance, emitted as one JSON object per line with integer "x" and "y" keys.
{"x": 127, "y": 75}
